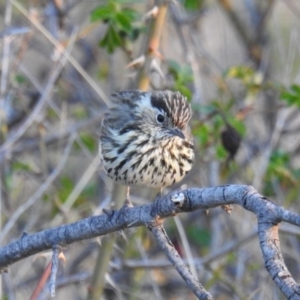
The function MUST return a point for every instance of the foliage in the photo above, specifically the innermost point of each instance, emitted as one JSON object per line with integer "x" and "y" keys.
{"x": 280, "y": 171}
{"x": 182, "y": 76}
{"x": 291, "y": 95}
{"x": 120, "y": 24}
{"x": 192, "y": 5}
{"x": 250, "y": 78}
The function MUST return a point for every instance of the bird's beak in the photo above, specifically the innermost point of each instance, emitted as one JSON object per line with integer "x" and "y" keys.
{"x": 176, "y": 132}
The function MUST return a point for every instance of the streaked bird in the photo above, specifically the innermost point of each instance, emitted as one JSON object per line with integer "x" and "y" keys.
{"x": 145, "y": 139}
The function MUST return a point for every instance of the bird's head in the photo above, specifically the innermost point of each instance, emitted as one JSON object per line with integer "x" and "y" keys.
{"x": 165, "y": 114}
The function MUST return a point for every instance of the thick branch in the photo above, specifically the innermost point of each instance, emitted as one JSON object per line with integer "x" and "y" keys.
{"x": 269, "y": 215}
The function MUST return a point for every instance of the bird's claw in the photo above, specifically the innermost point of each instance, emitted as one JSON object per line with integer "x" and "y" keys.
{"x": 228, "y": 208}
{"x": 108, "y": 212}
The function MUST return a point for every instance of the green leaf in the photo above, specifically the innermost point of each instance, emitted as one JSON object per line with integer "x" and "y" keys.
{"x": 218, "y": 123}
{"x": 20, "y": 79}
{"x": 184, "y": 91}
{"x": 89, "y": 141}
{"x": 280, "y": 171}
{"x": 79, "y": 112}
{"x": 174, "y": 67}
{"x": 201, "y": 237}
{"x": 182, "y": 76}
{"x": 104, "y": 12}
{"x": 202, "y": 133}
{"x": 238, "y": 125}
{"x": 192, "y": 4}
{"x": 251, "y": 79}
{"x": 66, "y": 187}
{"x": 19, "y": 166}
{"x": 131, "y": 14}
{"x": 295, "y": 88}
{"x": 120, "y": 21}
{"x": 203, "y": 109}
{"x": 114, "y": 37}
{"x": 291, "y": 95}
{"x": 279, "y": 157}
{"x": 221, "y": 153}
{"x": 240, "y": 72}
{"x": 123, "y": 21}
{"x": 111, "y": 40}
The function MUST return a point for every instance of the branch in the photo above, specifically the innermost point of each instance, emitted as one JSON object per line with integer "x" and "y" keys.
{"x": 152, "y": 44}
{"x": 268, "y": 214}
{"x": 170, "y": 251}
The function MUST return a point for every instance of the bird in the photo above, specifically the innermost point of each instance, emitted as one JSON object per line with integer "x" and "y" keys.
{"x": 145, "y": 138}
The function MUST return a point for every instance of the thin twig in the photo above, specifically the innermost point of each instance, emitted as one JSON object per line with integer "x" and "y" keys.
{"x": 146, "y": 260}
{"x": 152, "y": 45}
{"x": 5, "y": 53}
{"x": 14, "y": 31}
{"x": 186, "y": 247}
{"x": 32, "y": 144}
{"x": 21, "y": 209}
{"x": 43, "y": 99}
{"x": 83, "y": 181}
{"x": 282, "y": 117}
{"x": 42, "y": 281}
{"x": 54, "y": 268}
{"x": 71, "y": 59}
{"x": 170, "y": 251}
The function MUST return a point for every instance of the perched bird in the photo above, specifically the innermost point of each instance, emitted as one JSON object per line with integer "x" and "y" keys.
{"x": 145, "y": 138}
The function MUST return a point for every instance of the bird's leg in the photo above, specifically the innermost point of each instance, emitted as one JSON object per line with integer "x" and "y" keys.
{"x": 159, "y": 192}
{"x": 127, "y": 200}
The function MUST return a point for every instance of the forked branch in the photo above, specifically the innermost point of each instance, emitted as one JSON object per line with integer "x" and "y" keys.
{"x": 268, "y": 214}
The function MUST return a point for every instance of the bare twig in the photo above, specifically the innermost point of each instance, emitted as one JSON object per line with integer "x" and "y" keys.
{"x": 151, "y": 50}
{"x": 170, "y": 251}
{"x": 5, "y": 53}
{"x": 42, "y": 281}
{"x": 198, "y": 262}
{"x": 153, "y": 282}
{"x": 43, "y": 99}
{"x": 71, "y": 59}
{"x": 57, "y": 250}
{"x": 186, "y": 247}
{"x": 32, "y": 144}
{"x": 14, "y": 31}
{"x": 21, "y": 209}
{"x": 5, "y": 59}
{"x": 83, "y": 181}
{"x": 279, "y": 126}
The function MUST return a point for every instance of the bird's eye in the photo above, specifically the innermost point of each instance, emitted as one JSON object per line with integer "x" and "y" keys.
{"x": 160, "y": 118}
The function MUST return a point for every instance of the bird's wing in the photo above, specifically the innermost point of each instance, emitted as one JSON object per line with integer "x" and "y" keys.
{"x": 122, "y": 112}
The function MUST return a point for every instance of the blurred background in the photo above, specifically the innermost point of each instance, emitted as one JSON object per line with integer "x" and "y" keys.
{"x": 237, "y": 62}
